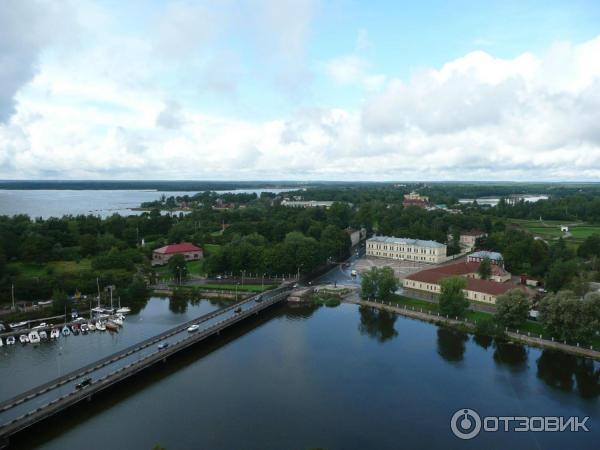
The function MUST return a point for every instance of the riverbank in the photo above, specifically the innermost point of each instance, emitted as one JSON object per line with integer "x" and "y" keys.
{"x": 468, "y": 326}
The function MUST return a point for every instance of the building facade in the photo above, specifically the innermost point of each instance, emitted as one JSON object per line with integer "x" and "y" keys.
{"x": 190, "y": 252}
{"x": 476, "y": 289}
{"x": 406, "y": 249}
{"x": 494, "y": 257}
{"x": 306, "y": 204}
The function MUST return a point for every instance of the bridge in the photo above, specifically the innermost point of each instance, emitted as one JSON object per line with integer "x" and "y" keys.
{"x": 48, "y": 399}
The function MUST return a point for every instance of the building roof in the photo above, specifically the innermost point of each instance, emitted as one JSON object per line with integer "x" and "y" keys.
{"x": 485, "y": 254}
{"x": 184, "y": 247}
{"x": 437, "y": 274}
{"x": 474, "y": 232}
{"x": 406, "y": 241}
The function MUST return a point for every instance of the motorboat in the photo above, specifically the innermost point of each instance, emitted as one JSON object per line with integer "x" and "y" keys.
{"x": 10, "y": 340}
{"x": 75, "y": 329}
{"x": 100, "y": 326}
{"x": 193, "y": 328}
{"x": 124, "y": 310}
{"x": 1, "y": 343}
{"x": 23, "y": 339}
{"x": 118, "y": 321}
{"x": 91, "y": 326}
{"x": 34, "y": 337}
{"x": 40, "y": 326}
{"x": 16, "y": 325}
{"x": 54, "y": 333}
{"x": 66, "y": 331}
{"x": 43, "y": 335}
{"x": 84, "y": 328}
{"x": 111, "y": 326}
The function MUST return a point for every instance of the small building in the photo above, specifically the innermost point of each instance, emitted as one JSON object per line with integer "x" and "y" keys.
{"x": 415, "y": 199}
{"x": 468, "y": 239}
{"x": 564, "y": 229}
{"x": 356, "y": 235}
{"x": 306, "y": 204}
{"x": 162, "y": 255}
{"x": 406, "y": 249}
{"x": 476, "y": 289}
{"x": 494, "y": 257}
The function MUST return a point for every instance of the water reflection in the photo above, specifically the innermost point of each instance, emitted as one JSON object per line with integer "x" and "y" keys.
{"x": 483, "y": 341}
{"x": 451, "y": 344}
{"x": 178, "y": 305}
{"x": 511, "y": 355}
{"x": 300, "y": 311}
{"x": 376, "y": 323}
{"x": 569, "y": 373}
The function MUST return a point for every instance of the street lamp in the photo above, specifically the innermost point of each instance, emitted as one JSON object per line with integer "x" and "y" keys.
{"x": 236, "y": 290}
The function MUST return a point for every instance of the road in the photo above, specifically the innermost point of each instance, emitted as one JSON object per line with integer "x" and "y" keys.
{"x": 59, "y": 388}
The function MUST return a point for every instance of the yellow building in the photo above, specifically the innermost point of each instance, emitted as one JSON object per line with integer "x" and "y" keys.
{"x": 406, "y": 249}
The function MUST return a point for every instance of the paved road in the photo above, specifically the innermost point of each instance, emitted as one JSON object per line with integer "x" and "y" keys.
{"x": 54, "y": 390}
{"x": 341, "y": 275}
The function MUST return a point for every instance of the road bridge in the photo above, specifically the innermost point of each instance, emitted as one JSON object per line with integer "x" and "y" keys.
{"x": 48, "y": 399}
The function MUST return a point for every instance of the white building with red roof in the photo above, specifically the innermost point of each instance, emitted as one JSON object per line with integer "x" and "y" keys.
{"x": 187, "y": 249}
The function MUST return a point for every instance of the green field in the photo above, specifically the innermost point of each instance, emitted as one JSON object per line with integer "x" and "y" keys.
{"x": 211, "y": 249}
{"x": 32, "y": 270}
{"x": 550, "y": 229}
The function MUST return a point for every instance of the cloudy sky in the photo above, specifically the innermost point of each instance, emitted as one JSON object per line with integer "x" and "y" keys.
{"x": 300, "y": 89}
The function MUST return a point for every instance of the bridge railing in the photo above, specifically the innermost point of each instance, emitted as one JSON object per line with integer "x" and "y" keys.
{"x": 70, "y": 376}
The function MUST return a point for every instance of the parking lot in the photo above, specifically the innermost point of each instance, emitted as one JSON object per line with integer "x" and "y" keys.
{"x": 401, "y": 268}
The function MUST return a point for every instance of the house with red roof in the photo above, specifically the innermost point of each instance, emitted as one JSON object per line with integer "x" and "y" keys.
{"x": 476, "y": 289}
{"x": 162, "y": 255}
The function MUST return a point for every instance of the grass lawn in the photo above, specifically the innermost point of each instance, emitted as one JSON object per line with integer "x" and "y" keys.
{"x": 31, "y": 270}
{"x": 211, "y": 249}
{"x": 550, "y": 229}
{"x": 217, "y": 233}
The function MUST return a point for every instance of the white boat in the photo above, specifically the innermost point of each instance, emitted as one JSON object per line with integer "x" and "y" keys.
{"x": 1, "y": 343}
{"x": 91, "y": 326}
{"x": 117, "y": 320}
{"x": 54, "y": 334}
{"x": 34, "y": 337}
{"x": 84, "y": 328}
{"x": 16, "y": 325}
{"x": 10, "y": 340}
{"x": 193, "y": 328}
{"x": 100, "y": 326}
{"x": 40, "y": 326}
{"x": 124, "y": 310}
{"x": 66, "y": 331}
{"x": 43, "y": 335}
{"x": 23, "y": 339}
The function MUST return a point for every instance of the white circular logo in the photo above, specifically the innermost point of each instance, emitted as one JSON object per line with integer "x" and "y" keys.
{"x": 465, "y": 423}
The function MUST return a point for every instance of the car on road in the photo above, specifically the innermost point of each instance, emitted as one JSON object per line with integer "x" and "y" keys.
{"x": 259, "y": 299}
{"x": 83, "y": 383}
{"x": 238, "y": 310}
{"x": 193, "y": 328}
{"x": 163, "y": 345}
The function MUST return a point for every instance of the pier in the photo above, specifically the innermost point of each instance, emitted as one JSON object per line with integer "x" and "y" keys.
{"x": 48, "y": 399}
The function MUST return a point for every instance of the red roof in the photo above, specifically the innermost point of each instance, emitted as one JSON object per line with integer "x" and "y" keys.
{"x": 184, "y": 247}
{"x": 437, "y": 274}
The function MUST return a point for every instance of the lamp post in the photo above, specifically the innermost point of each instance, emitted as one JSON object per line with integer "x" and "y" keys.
{"x": 236, "y": 290}
{"x": 243, "y": 274}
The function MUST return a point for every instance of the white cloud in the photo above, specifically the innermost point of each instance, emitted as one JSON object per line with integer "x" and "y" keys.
{"x": 121, "y": 106}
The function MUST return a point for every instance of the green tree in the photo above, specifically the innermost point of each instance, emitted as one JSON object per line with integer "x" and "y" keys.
{"x": 452, "y": 297}
{"x": 379, "y": 283}
{"x": 487, "y": 326}
{"x": 568, "y": 317}
{"x": 512, "y": 308}
{"x": 485, "y": 269}
{"x": 60, "y": 301}
{"x": 178, "y": 266}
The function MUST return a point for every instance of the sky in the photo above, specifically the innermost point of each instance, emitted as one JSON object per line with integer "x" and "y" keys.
{"x": 300, "y": 90}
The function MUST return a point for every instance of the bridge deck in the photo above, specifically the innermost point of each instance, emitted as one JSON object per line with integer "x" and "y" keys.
{"x": 46, "y": 400}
